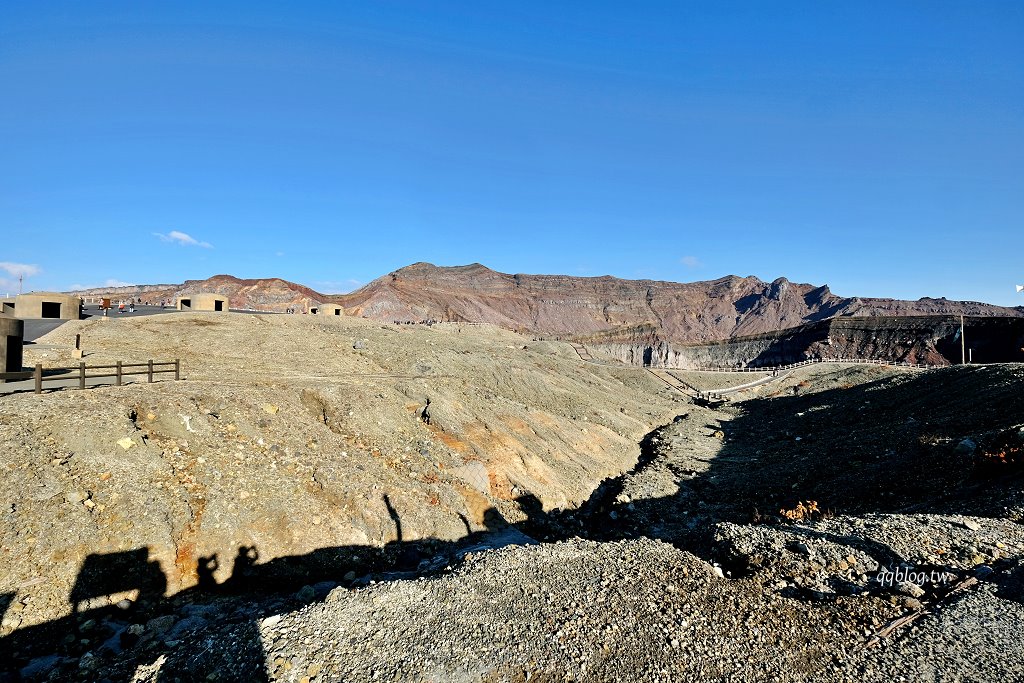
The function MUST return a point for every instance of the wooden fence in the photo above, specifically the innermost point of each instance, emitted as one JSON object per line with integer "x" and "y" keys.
{"x": 84, "y": 372}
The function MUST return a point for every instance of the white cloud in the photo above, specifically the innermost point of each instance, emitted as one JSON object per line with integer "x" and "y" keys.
{"x": 110, "y": 282}
{"x": 182, "y": 238}
{"x": 691, "y": 262}
{"x": 19, "y": 269}
{"x": 10, "y": 285}
{"x": 338, "y": 286}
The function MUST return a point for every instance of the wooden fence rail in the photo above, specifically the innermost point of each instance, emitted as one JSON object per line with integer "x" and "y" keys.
{"x": 82, "y": 372}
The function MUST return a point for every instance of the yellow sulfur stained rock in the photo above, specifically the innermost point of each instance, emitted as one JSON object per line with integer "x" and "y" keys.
{"x": 126, "y": 443}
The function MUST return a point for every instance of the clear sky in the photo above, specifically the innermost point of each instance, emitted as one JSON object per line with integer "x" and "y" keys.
{"x": 877, "y": 147}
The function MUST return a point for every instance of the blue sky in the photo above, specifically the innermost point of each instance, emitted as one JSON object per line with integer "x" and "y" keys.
{"x": 876, "y": 147}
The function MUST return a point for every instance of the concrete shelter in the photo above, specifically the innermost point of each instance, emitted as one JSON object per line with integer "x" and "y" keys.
{"x": 203, "y": 301}
{"x": 44, "y": 305}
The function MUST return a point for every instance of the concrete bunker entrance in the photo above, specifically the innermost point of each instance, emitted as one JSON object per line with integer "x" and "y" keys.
{"x": 186, "y": 304}
{"x": 218, "y": 305}
{"x": 12, "y": 335}
{"x": 14, "y": 354}
{"x": 50, "y": 309}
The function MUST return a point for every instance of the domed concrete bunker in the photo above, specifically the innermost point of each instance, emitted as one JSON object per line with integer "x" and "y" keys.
{"x": 203, "y": 302}
{"x": 327, "y": 309}
{"x": 44, "y": 305}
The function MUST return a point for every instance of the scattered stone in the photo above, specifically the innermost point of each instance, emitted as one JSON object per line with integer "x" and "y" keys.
{"x": 970, "y": 524}
{"x": 966, "y": 447}
{"x": 160, "y": 625}
{"x": 910, "y": 589}
{"x": 803, "y": 548}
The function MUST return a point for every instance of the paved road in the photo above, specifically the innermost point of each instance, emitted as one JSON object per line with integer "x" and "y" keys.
{"x": 34, "y": 329}
{"x": 755, "y": 383}
{"x": 92, "y": 310}
{"x": 72, "y": 383}
{"x": 671, "y": 379}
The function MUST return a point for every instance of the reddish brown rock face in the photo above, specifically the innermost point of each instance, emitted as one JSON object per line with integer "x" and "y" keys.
{"x": 623, "y": 309}
{"x": 559, "y": 305}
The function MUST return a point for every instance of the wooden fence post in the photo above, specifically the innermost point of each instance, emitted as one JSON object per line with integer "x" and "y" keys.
{"x": 177, "y": 369}
{"x": 38, "y": 376}
{"x": 81, "y": 375}
{"x": 118, "y": 373}
{"x": 150, "y": 370}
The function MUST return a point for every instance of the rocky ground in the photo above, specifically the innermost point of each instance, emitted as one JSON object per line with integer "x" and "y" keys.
{"x": 772, "y": 537}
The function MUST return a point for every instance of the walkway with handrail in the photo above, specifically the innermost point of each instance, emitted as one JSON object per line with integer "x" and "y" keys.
{"x": 778, "y": 372}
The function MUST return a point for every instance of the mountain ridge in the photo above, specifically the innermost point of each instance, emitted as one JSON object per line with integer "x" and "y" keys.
{"x": 571, "y": 306}
{"x": 565, "y": 305}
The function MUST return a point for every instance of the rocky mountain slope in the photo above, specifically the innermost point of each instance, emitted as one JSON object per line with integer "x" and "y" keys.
{"x": 624, "y": 309}
{"x": 565, "y": 306}
{"x": 260, "y": 294}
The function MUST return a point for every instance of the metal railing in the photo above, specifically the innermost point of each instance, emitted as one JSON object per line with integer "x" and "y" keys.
{"x": 586, "y": 356}
{"x": 803, "y": 363}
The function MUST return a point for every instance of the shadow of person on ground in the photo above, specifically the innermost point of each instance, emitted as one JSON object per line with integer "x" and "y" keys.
{"x": 5, "y": 601}
{"x": 878, "y": 447}
{"x": 254, "y": 591}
